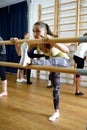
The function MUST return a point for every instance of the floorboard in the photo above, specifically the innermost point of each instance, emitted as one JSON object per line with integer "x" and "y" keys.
{"x": 28, "y": 107}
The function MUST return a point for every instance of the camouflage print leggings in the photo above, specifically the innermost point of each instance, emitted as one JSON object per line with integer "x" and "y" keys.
{"x": 54, "y": 76}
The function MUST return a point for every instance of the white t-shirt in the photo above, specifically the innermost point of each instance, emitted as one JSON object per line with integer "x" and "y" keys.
{"x": 81, "y": 50}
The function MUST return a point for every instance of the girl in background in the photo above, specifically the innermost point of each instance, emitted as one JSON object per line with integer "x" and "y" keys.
{"x": 79, "y": 58}
{"x": 20, "y": 72}
{"x": 2, "y": 70}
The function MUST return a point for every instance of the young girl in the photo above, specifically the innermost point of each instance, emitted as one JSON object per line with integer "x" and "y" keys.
{"x": 31, "y": 54}
{"x": 20, "y": 72}
{"x": 79, "y": 58}
{"x": 2, "y": 70}
{"x": 58, "y": 57}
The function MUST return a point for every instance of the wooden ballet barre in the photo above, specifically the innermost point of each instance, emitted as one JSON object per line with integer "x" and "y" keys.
{"x": 52, "y": 40}
{"x": 46, "y": 68}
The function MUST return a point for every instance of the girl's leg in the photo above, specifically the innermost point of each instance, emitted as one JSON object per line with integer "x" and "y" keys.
{"x": 55, "y": 80}
{"x": 79, "y": 65}
{"x": 57, "y": 61}
{"x": 49, "y": 83}
{"x": 20, "y": 76}
{"x": 3, "y": 81}
{"x": 22, "y": 79}
{"x": 77, "y": 84}
{"x": 4, "y": 88}
{"x": 21, "y": 73}
{"x": 28, "y": 76}
{"x": 24, "y": 56}
{"x": 78, "y": 93}
{"x": 3, "y": 77}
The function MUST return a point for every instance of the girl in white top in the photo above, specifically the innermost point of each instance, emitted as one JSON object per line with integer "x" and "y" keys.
{"x": 79, "y": 58}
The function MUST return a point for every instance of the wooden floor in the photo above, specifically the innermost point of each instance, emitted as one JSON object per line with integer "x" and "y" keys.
{"x": 28, "y": 107}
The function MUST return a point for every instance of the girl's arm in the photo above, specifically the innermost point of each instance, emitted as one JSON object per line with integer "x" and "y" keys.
{"x": 17, "y": 48}
{"x": 62, "y": 47}
{"x": 59, "y": 46}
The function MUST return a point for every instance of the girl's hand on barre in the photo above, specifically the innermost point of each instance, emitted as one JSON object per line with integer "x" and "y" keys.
{"x": 46, "y": 38}
{"x": 13, "y": 40}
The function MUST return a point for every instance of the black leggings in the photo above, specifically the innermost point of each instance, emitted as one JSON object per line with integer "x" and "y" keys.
{"x": 55, "y": 81}
{"x": 80, "y": 63}
{"x": 2, "y": 68}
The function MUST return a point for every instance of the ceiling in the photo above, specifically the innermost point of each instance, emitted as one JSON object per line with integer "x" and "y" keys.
{"x": 4, "y": 3}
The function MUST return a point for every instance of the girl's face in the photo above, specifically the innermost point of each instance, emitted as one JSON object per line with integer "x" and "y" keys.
{"x": 27, "y": 36}
{"x": 38, "y": 31}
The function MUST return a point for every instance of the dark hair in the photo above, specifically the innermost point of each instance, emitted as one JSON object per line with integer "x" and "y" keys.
{"x": 85, "y": 34}
{"x": 46, "y": 26}
{"x": 25, "y": 33}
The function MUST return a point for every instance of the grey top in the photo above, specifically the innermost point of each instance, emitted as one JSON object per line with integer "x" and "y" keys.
{"x": 3, "y": 50}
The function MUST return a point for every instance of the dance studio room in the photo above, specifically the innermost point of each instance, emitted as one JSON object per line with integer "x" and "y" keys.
{"x": 43, "y": 65}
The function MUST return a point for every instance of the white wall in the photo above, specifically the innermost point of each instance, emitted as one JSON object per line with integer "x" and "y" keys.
{"x": 33, "y": 12}
{"x": 33, "y": 17}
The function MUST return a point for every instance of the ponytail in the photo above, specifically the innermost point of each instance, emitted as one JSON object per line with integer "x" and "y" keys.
{"x": 50, "y": 32}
